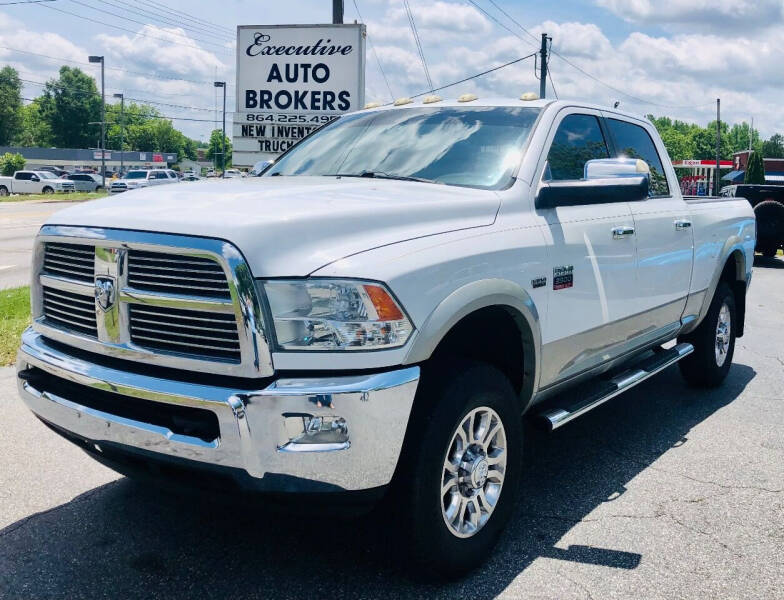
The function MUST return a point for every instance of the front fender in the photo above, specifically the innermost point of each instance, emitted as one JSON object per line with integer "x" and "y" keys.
{"x": 475, "y": 296}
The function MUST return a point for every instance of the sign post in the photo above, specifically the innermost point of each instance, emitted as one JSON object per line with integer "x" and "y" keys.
{"x": 291, "y": 80}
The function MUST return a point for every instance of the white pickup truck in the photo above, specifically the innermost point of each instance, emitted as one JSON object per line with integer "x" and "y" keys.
{"x": 374, "y": 317}
{"x": 34, "y": 182}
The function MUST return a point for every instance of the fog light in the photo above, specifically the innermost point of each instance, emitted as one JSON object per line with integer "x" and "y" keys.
{"x": 304, "y": 432}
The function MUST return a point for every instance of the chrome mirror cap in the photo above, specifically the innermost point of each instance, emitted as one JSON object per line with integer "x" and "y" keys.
{"x": 603, "y": 168}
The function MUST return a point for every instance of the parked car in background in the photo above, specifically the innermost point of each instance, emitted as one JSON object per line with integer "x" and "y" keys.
{"x": 34, "y": 182}
{"x": 191, "y": 177}
{"x": 260, "y": 167}
{"x": 232, "y": 174}
{"x": 140, "y": 178}
{"x": 768, "y": 204}
{"x": 84, "y": 182}
{"x": 56, "y": 170}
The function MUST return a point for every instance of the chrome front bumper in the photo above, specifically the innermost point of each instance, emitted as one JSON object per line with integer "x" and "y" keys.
{"x": 307, "y": 434}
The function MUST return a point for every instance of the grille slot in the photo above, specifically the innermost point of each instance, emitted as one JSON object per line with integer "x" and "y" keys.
{"x": 72, "y": 261}
{"x": 70, "y": 311}
{"x": 176, "y": 274}
{"x": 194, "y": 332}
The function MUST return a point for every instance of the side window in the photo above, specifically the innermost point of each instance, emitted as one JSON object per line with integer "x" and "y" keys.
{"x": 633, "y": 141}
{"x": 23, "y": 176}
{"x": 577, "y": 140}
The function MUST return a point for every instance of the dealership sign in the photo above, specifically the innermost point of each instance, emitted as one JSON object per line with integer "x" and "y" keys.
{"x": 291, "y": 79}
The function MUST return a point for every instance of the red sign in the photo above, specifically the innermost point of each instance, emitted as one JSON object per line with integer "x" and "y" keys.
{"x": 157, "y": 157}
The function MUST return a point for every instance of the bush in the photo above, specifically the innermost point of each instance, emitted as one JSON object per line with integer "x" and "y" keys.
{"x": 11, "y": 163}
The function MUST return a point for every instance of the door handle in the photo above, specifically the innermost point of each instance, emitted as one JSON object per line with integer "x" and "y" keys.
{"x": 622, "y": 231}
{"x": 682, "y": 224}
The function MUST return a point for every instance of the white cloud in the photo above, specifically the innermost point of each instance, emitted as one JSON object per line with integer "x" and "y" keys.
{"x": 727, "y": 14}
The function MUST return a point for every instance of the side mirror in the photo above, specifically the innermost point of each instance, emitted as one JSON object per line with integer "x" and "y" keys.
{"x": 605, "y": 180}
{"x": 592, "y": 191}
{"x": 35, "y": 178}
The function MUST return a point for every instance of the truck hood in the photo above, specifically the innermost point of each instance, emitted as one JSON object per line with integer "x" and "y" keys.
{"x": 292, "y": 226}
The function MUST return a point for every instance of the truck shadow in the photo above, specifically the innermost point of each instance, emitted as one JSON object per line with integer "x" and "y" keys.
{"x": 765, "y": 262}
{"x": 127, "y": 540}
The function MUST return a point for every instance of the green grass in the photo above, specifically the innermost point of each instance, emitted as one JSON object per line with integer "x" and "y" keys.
{"x": 14, "y": 317}
{"x": 72, "y": 197}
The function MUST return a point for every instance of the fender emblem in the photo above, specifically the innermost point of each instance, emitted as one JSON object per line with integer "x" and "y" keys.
{"x": 539, "y": 282}
{"x": 563, "y": 277}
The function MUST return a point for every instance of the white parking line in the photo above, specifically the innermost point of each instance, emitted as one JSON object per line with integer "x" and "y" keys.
{"x": 5, "y": 267}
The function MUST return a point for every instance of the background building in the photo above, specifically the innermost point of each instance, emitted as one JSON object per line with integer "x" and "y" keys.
{"x": 774, "y": 169}
{"x": 73, "y": 158}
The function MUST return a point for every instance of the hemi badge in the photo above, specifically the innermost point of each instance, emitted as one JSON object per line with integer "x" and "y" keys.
{"x": 539, "y": 282}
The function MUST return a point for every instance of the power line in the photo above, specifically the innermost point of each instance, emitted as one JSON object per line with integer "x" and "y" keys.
{"x": 418, "y": 43}
{"x": 81, "y": 62}
{"x": 25, "y": 2}
{"x": 185, "y": 16}
{"x": 159, "y": 117}
{"x": 454, "y": 83}
{"x": 196, "y": 29}
{"x": 514, "y": 33}
{"x": 104, "y": 24}
{"x": 373, "y": 48}
{"x": 574, "y": 66}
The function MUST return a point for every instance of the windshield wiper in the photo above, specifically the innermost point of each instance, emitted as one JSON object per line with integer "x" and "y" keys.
{"x": 382, "y": 175}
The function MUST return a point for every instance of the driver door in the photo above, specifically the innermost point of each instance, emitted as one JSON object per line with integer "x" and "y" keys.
{"x": 592, "y": 258}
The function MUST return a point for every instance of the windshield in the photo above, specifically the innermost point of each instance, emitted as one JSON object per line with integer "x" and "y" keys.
{"x": 136, "y": 175}
{"x": 476, "y": 147}
{"x": 46, "y": 175}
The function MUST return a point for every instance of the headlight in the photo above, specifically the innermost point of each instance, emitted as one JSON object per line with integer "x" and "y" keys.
{"x": 335, "y": 315}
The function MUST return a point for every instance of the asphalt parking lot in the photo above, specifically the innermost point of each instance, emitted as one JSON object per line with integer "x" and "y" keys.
{"x": 665, "y": 492}
{"x": 19, "y": 222}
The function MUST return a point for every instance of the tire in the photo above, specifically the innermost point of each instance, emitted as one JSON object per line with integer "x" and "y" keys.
{"x": 3, "y": 190}
{"x": 447, "y": 399}
{"x": 709, "y": 364}
{"x": 47, "y": 190}
{"x": 770, "y": 226}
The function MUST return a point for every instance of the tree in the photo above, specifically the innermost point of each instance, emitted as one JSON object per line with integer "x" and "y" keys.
{"x": 68, "y": 105}
{"x": 774, "y": 147}
{"x": 739, "y": 135}
{"x": 215, "y": 149}
{"x": 679, "y": 145}
{"x": 34, "y": 131}
{"x": 10, "y": 105}
{"x": 10, "y": 163}
{"x": 755, "y": 170}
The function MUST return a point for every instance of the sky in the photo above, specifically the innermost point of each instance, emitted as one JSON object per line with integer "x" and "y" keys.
{"x": 666, "y": 57}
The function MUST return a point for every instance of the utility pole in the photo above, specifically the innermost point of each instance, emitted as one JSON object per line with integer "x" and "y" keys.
{"x": 99, "y": 59}
{"x": 718, "y": 147}
{"x": 122, "y": 131}
{"x": 543, "y": 67}
{"x": 222, "y": 84}
{"x": 337, "y": 12}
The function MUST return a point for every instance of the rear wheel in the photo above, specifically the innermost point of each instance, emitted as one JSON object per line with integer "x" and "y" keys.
{"x": 462, "y": 467}
{"x": 3, "y": 190}
{"x": 713, "y": 341}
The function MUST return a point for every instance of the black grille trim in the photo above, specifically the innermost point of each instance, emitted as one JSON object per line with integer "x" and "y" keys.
{"x": 176, "y": 274}
{"x": 72, "y": 261}
{"x": 70, "y": 311}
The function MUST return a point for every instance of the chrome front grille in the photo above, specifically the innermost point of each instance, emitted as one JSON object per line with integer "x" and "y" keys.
{"x": 70, "y": 311}
{"x": 72, "y": 261}
{"x": 175, "y": 274}
{"x": 190, "y": 331}
{"x": 168, "y": 300}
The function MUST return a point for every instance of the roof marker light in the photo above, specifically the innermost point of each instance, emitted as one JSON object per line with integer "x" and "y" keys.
{"x": 528, "y": 96}
{"x": 372, "y": 104}
{"x": 467, "y": 98}
{"x": 402, "y": 101}
{"x": 431, "y": 99}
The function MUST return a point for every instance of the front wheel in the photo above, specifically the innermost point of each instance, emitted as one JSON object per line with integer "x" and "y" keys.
{"x": 713, "y": 341}
{"x": 463, "y": 467}
{"x": 48, "y": 190}
{"x": 3, "y": 190}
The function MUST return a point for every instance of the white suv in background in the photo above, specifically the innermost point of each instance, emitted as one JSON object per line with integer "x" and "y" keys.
{"x": 139, "y": 178}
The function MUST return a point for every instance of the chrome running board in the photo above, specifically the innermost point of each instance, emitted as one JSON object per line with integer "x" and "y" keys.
{"x": 554, "y": 418}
